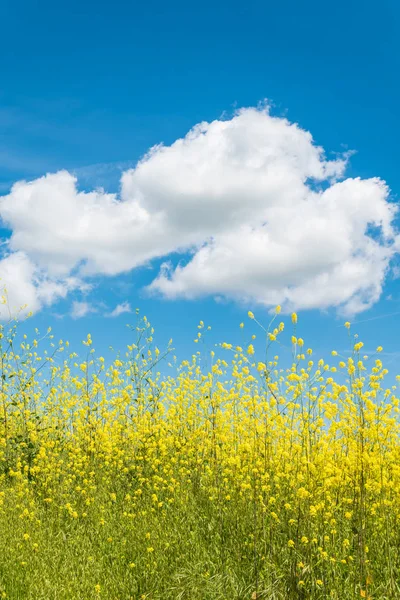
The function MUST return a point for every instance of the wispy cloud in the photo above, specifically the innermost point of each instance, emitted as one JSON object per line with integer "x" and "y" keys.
{"x": 81, "y": 309}
{"x": 120, "y": 309}
{"x": 376, "y": 318}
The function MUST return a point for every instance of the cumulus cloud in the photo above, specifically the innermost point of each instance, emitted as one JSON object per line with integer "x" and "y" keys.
{"x": 27, "y": 288}
{"x": 257, "y": 210}
{"x": 313, "y": 255}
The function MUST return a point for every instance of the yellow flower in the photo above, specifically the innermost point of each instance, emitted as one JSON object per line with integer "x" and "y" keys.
{"x": 250, "y": 315}
{"x": 294, "y": 318}
{"x": 347, "y": 325}
{"x": 304, "y": 540}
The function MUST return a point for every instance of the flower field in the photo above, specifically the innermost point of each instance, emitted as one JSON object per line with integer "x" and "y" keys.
{"x": 231, "y": 478}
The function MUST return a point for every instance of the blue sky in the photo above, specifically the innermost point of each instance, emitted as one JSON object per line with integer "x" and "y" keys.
{"x": 91, "y": 87}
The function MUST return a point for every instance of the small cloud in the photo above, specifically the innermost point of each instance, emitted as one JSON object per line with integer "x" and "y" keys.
{"x": 396, "y": 272}
{"x": 124, "y": 307}
{"x": 81, "y": 309}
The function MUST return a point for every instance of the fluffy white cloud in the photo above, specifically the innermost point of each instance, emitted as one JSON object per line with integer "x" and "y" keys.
{"x": 27, "y": 288}
{"x": 255, "y": 203}
{"x": 315, "y": 254}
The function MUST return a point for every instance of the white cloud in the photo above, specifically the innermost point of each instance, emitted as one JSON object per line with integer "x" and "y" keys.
{"x": 315, "y": 254}
{"x": 81, "y": 309}
{"x": 254, "y": 201}
{"x": 120, "y": 309}
{"x": 28, "y": 288}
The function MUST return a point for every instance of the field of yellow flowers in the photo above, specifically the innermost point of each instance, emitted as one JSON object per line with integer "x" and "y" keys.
{"x": 234, "y": 479}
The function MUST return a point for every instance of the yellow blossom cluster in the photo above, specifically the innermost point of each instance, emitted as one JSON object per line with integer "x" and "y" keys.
{"x": 230, "y": 478}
